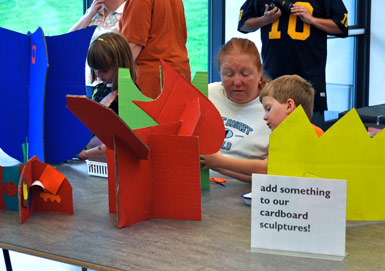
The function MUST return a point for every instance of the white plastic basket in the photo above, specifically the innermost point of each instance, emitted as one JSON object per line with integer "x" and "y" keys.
{"x": 97, "y": 168}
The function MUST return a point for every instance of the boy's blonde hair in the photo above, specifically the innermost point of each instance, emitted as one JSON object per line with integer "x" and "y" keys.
{"x": 111, "y": 50}
{"x": 291, "y": 87}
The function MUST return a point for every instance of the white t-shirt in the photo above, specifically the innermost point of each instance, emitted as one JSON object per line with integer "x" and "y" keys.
{"x": 247, "y": 135}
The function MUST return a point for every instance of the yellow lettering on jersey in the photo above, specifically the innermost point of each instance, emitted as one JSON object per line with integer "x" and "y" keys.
{"x": 274, "y": 33}
{"x": 240, "y": 15}
{"x": 344, "y": 21}
{"x": 292, "y": 32}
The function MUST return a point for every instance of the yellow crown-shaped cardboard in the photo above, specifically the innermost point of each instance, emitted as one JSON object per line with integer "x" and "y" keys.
{"x": 345, "y": 151}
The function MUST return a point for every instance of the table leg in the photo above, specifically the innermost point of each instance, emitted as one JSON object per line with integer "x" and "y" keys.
{"x": 7, "y": 260}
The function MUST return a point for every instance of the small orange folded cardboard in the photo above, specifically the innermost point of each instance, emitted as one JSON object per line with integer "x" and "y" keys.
{"x": 154, "y": 171}
{"x": 34, "y": 187}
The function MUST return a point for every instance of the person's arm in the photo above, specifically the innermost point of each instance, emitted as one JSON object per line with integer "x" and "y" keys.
{"x": 235, "y": 175}
{"x": 253, "y": 24}
{"x": 326, "y": 25}
{"x": 243, "y": 166}
{"x": 85, "y": 20}
{"x": 135, "y": 49}
{"x": 85, "y": 154}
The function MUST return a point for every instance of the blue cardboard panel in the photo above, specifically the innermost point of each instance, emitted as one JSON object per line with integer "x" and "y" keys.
{"x": 37, "y": 76}
{"x": 64, "y": 135}
{"x": 14, "y": 78}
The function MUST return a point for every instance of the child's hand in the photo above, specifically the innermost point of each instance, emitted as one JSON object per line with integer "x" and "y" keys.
{"x": 210, "y": 161}
{"x": 82, "y": 155}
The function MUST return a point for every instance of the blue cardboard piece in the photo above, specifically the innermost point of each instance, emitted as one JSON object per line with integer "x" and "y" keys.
{"x": 37, "y": 78}
{"x": 64, "y": 134}
{"x": 38, "y": 74}
{"x": 14, "y": 77}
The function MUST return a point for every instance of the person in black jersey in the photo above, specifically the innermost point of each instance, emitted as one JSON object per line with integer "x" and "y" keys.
{"x": 294, "y": 37}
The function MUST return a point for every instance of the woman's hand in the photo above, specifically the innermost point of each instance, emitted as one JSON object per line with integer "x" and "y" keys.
{"x": 85, "y": 20}
{"x": 95, "y": 7}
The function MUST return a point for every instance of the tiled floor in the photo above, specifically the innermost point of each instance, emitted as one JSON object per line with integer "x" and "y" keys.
{"x": 22, "y": 262}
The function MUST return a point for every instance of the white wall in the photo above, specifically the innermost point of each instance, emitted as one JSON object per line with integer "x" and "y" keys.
{"x": 377, "y": 54}
{"x": 231, "y": 24}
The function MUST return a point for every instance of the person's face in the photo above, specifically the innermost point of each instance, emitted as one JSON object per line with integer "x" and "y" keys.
{"x": 275, "y": 112}
{"x": 240, "y": 77}
{"x": 106, "y": 76}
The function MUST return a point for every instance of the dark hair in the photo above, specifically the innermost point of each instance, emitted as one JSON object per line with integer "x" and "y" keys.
{"x": 111, "y": 51}
{"x": 247, "y": 47}
{"x": 291, "y": 87}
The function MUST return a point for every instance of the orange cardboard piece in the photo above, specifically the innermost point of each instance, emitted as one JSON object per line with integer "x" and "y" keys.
{"x": 155, "y": 171}
{"x": 150, "y": 188}
{"x": 104, "y": 123}
{"x": 217, "y": 180}
{"x": 44, "y": 201}
{"x": 172, "y": 103}
{"x": 165, "y": 184}
{"x": 177, "y": 190}
{"x": 165, "y": 129}
{"x": 190, "y": 117}
{"x": 111, "y": 180}
{"x": 134, "y": 187}
{"x": 51, "y": 178}
{"x": 26, "y": 174}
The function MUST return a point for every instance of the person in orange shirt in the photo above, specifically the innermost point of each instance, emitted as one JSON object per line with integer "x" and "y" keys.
{"x": 279, "y": 98}
{"x": 156, "y": 29}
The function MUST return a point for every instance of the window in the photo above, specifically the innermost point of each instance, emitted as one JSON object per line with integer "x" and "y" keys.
{"x": 54, "y": 17}
{"x": 340, "y": 70}
{"x": 196, "y": 12}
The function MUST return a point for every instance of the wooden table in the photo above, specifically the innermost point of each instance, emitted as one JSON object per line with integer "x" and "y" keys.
{"x": 221, "y": 241}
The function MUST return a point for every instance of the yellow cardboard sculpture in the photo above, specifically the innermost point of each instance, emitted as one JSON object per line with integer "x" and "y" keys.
{"x": 345, "y": 151}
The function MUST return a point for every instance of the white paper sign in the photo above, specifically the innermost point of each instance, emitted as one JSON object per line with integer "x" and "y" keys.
{"x": 298, "y": 216}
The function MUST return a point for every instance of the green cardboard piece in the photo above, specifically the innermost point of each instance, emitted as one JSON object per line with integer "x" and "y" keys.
{"x": 129, "y": 112}
{"x": 205, "y": 179}
{"x": 136, "y": 118}
{"x": 200, "y": 81}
